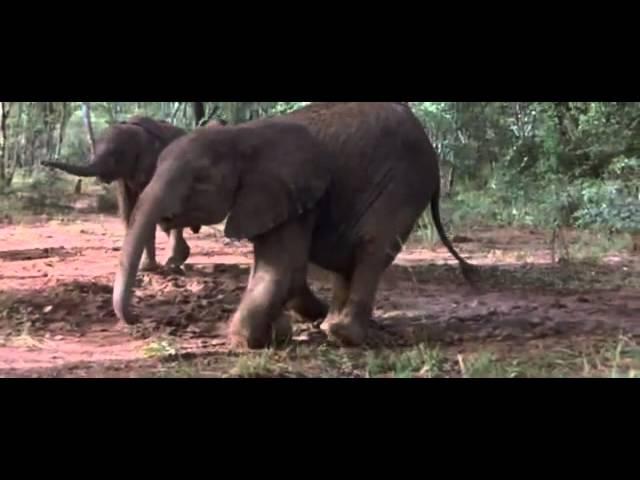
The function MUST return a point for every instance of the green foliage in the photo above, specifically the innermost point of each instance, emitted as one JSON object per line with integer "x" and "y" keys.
{"x": 281, "y": 108}
{"x": 38, "y": 193}
{"x": 609, "y": 205}
{"x": 537, "y": 164}
{"x": 613, "y": 202}
{"x": 164, "y": 347}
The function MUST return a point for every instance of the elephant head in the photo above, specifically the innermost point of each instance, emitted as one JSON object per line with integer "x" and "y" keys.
{"x": 121, "y": 147}
{"x": 257, "y": 176}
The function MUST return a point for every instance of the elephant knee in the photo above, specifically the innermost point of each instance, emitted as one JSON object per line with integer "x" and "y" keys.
{"x": 268, "y": 291}
{"x": 260, "y": 310}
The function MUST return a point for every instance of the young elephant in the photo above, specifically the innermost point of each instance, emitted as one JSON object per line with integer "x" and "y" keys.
{"x": 340, "y": 185}
{"x": 127, "y": 152}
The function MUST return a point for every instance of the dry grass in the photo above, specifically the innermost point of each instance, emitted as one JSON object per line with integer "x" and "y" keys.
{"x": 597, "y": 359}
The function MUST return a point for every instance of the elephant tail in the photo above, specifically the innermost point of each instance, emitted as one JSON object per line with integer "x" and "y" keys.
{"x": 469, "y": 270}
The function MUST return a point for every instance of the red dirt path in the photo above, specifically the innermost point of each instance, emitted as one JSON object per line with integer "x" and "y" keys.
{"x": 56, "y": 318}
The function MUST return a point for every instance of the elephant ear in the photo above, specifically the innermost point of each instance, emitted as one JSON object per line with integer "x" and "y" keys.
{"x": 285, "y": 172}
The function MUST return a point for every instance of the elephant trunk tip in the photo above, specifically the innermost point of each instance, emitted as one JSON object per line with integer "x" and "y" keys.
{"x": 91, "y": 170}
{"x": 121, "y": 304}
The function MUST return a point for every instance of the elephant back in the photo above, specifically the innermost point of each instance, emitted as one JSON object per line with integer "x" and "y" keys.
{"x": 384, "y": 160}
{"x": 162, "y": 131}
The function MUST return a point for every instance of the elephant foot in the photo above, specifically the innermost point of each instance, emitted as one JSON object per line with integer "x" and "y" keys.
{"x": 347, "y": 328}
{"x": 149, "y": 265}
{"x": 281, "y": 331}
{"x": 180, "y": 254}
{"x": 350, "y": 334}
{"x": 244, "y": 336}
{"x": 345, "y": 333}
{"x": 174, "y": 268}
{"x": 173, "y": 262}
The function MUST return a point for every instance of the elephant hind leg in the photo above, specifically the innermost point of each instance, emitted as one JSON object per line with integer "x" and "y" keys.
{"x": 340, "y": 293}
{"x": 178, "y": 247}
{"x": 307, "y": 305}
{"x": 351, "y": 313}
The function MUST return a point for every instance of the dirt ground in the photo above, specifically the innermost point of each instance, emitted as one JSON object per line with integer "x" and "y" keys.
{"x": 56, "y": 317}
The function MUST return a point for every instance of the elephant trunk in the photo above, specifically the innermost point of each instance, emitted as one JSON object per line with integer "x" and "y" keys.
{"x": 90, "y": 170}
{"x": 145, "y": 217}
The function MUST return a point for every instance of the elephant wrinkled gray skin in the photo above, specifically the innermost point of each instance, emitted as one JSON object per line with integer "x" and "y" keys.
{"x": 340, "y": 185}
{"x": 128, "y": 152}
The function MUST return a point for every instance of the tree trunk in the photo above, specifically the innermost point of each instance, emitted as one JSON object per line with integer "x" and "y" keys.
{"x": 30, "y": 138}
{"x": 451, "y": 181}
{"x": 174, "y": 115}
{"x": 18, "y": 142}
{"x": 61, "y": 130}
{"x": 3, "y": 141}
{"x": 185, "y": 116}
{"x": 112, "y": 112}
{"x": 49, "y": 128}
{"x": 237, "y": 112}
{"x": 5, "y": 109}
{"x": 214, "y": 111}
{"x": 86, "y": 113}
{"x": 198, "y": 113}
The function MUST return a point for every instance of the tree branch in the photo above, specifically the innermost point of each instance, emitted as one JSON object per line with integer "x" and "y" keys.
{"x": 174, "y": 115}
{"x": 198, "y": 113}
{"x": 5, "y": 110}
{"x": 213, "y": 113}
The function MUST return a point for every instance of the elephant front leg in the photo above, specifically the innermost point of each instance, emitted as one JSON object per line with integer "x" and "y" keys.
{"x": 179, "y": 249}
{"x": 149, "y": 263}
{"x": 277, "y": 276}
{"x": 302, "y": 300}
{"x": 258, "y": 322}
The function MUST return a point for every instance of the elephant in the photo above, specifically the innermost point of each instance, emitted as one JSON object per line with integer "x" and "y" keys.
{"x": 338, "y": 185}
{"x": 127, "y": 152}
